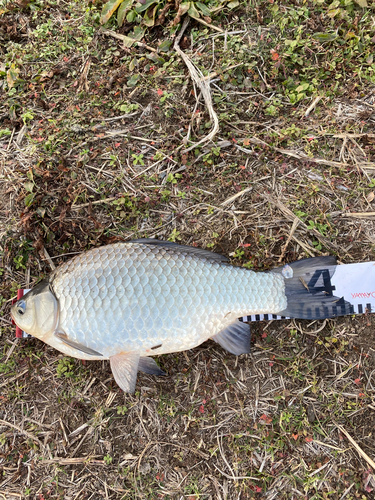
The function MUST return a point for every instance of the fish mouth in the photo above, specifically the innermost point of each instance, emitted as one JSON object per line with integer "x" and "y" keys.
{"x": 13, "y": 318}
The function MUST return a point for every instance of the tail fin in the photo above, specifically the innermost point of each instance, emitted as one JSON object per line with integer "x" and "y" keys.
{"x": 309, "y": 290}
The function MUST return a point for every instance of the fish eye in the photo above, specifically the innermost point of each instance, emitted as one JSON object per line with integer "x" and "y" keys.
{"x": 21, "y": 307}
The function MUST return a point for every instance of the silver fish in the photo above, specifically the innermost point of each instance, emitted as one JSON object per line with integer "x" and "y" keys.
{"x": 128, "y": 301}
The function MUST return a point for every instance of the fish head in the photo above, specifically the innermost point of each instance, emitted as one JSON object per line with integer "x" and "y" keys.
{"x": 37, "y": 312}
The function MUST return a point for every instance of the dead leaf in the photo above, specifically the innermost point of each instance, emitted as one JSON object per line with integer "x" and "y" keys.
{"x": 12, "y": 75}
{"x": 108, "y": 9}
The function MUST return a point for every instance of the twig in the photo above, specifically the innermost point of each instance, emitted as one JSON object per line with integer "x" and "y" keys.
{"x": 212, "y": 26}
{"x": 292, "y": 230}
{"x": 109, "y": 135}
{"x": 328, "y": 446}
{"x": 22, "y": 431}
{"x": 10, "y": 140}
{"x": 159, "y": 161}
{"x": 125, "y": 38}
{"x": 309, "y": 250}
{"x": 204, "y": 87}
{"x": 7, "y": 322}
{"x": 115, "y": 118}
{"x": 360, "y": 215}
{"x": 49, "y": 260}
{"x": 236, "y": 478}
{"x": 235, "y": 196}
{"x": 215, "y": 73}
{"x": 97, "y": 202}
{"x": 343, "y": 136}
{"x": 360, "y": 451}
{"x": 290, "y": 215}
{"x": 303, "y": 156}
{"x": 312, "y": 105}
{"x": 83, "y": 78}
{"x": 14, "y": 378}
{"x": 346, "y": 491}
{"x": 318, "y": 470}
{"x": 71, "y": 461}
{"x": 143, "y": 452}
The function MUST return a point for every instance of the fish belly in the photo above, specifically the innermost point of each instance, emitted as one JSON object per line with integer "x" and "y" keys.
{"x": 135, "y": 297}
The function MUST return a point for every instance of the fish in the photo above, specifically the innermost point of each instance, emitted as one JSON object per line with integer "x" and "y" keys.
{"x": 132, "y": 300}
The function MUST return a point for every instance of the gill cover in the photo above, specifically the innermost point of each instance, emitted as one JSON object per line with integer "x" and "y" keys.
{"x": 37, "y": 312}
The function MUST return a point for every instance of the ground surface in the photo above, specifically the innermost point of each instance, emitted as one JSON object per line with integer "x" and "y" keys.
{"x": 275, "y": 185}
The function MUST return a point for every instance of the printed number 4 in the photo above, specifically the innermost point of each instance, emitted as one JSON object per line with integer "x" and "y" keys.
{"x": 327, "y": 286}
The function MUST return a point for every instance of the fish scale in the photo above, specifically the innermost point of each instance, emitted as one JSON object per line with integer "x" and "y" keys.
{"x": 157, "y": 296}
{"x": 128, "y": 301}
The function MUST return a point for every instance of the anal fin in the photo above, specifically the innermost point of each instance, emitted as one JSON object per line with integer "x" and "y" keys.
{"x": 235, "y": 338}
{"x": 124, "y": 368}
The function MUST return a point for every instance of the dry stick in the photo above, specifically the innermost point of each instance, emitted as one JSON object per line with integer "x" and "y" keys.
{"x": 212, "y": 75}
{"x": 7, "y": 322}
{"x": 113, "y": 119}
{"x": 14, "y": 378}
{"x": 342, "y": 150}
{"x": 312, "y": 105}
{"x": 204, "y": 87}
{"x": 49, "y": 260}
{"x": 212, "y": 26}
{"x": 11, "y": 139}
{"x": 71, "y": 461}
{"x": 302, "y": 156}
{"x": 360, "y": 451}
{"x": 169, "y": 157}
{"x": 22, "y": 431}
{"x": 360, "y": 215}
{"x": 290, "y": 215}
{"x": 83, "y": 78}
{"x": 329, "y": 446}
{"x": 235, "y": 196}
{"x": 109, "y": 135}
{"x": 343, "y": 136}
{"x": 97, "y": 202}
{"x": 152, "y": 443}
{"x": 236, "y": 478}
{"x": 346, "y": 491}
{"x": 11, "y": 350}
{"x": 294, "y": 227}
{"x": 148, "y": 445}
{"x": 125, "y": 38}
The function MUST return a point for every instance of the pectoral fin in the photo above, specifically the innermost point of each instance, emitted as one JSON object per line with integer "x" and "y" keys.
{"x": 76, "y": 345}
{"x": 235, "y": 338}
{"x": 148, "y": 365}
{"x": 124, "y": 368}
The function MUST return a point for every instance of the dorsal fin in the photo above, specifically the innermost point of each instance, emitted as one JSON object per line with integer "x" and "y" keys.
{"x": 176, "y": 247}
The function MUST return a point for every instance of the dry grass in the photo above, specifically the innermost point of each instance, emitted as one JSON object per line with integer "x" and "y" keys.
{"x": 295, "y": 418}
